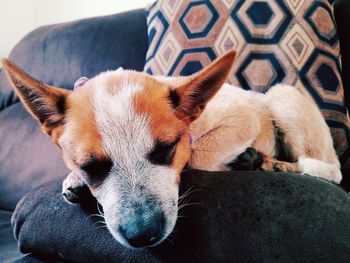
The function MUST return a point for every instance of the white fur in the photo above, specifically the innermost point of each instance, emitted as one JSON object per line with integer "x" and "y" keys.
{"x": 320, "y": 169}
{"x": 126, "y": 137}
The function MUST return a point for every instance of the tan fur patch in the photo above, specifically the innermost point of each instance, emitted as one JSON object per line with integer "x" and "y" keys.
{"x": 82, "y": 126}
{"x": 54, "y": 133}
{"x": 154, "y": 102}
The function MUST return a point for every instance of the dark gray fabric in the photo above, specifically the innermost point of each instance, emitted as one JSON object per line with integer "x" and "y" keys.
{"x": 8, "y": 245}
{"x": 60, "y": 54}
{"x": 9, "y": 252}
{"x": 234, "y": 217}
{"x": 28, "y": 158}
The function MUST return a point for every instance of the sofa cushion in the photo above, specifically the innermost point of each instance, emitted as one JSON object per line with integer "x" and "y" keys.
{"x": 60, "y": 54}
{"x": 229, "y": 217}
{"x": 283, "y": 41}
{"x": 28, "y": 158}
{"x": 8, "y": 245}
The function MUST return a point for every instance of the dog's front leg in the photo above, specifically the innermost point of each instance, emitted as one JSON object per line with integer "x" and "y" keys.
{"x": 73, "y": 188}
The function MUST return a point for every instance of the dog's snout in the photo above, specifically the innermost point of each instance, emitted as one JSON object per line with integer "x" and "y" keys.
{"x": 142, "y": 233}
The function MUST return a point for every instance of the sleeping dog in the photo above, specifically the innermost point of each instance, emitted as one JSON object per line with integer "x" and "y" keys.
{"x": 128, "y": 135}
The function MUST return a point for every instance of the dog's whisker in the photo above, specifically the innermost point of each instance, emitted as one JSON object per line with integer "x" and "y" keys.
{"x": 100, "y": 225}
{"x": 172, "y": 242}
{"x": 186, "y": 193}
{"x": 189, "y": 191}
{"x": 96, "y": 215}
{"x": 182, "y": 198}
{"x": 98, "y": 209}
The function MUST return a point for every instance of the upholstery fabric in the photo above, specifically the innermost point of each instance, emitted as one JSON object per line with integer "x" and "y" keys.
{"x": 28, "y": 158}
{"x": 60, "y": 54}
{"x": 282, "y": 41}
{"x": 234, "y": 217}
{"x": 8, "y": 250}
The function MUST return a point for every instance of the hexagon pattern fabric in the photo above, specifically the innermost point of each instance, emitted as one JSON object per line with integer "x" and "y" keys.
{"x": 278, "y": 41}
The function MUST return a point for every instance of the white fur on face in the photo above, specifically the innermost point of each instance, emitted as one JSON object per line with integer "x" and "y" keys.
{"x": 134, "y": 183}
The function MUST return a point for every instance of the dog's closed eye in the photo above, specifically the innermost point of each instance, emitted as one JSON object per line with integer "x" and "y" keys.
{"x": 97, "y": 169}
{"x": 163, "y": 153}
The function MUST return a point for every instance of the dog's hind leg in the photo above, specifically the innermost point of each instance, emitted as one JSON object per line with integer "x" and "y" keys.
{"x": 305, "y": 132}
{"x": 271, "y": 164}
{"x": 249, "y": 160}
{"x": 216, "y": 148}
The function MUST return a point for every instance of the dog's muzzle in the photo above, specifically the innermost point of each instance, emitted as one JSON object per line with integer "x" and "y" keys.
{"x": 141, "y": 232}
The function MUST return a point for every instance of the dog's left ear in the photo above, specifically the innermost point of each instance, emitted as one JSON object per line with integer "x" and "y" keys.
{"x": 199, "y": 88}
{"x": 45, "y": 103}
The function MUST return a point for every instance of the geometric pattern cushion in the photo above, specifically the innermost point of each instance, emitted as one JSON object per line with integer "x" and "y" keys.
{"x": 282, "y": 41}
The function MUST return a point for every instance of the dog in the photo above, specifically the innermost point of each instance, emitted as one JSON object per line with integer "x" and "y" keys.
{"x": 128, "y": 135}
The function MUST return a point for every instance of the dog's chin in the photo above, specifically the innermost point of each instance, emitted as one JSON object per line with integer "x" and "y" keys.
{"x": 169, "y": 227}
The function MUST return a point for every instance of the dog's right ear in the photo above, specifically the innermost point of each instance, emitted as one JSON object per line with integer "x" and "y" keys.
{"x": 46, "y": 103}
{"x": 199, "y": 88}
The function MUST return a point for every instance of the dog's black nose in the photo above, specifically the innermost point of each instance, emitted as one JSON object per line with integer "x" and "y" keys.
{"x": 141, "y": 232}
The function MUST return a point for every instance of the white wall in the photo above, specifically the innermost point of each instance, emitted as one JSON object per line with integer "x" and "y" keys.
{"x": 18, "y": 17}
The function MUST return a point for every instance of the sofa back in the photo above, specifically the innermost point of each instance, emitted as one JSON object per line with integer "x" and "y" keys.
{"x": 60, "y": 54}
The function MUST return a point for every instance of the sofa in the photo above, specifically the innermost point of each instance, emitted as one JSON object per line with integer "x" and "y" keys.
{"x": 241, "y": 217}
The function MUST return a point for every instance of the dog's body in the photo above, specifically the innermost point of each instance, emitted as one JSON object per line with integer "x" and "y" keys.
{"x": 127, "y": 136}
{"x": 236, "y": 119}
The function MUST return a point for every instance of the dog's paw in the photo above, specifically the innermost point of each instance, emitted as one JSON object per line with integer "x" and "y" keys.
{"x": 73, "y": 189}
{"x": 250, "y": 159}
{"x": 317, "y": 168}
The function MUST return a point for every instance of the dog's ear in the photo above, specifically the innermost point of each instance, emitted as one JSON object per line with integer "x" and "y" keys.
{"x": 199, "y": 88}
{"x": 46, "y": 103}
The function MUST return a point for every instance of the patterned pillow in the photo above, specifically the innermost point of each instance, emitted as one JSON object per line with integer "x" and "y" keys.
{"x": 278, "y": 41}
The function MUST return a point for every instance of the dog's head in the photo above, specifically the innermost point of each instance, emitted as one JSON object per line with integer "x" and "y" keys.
{"x": 125, "y": 134}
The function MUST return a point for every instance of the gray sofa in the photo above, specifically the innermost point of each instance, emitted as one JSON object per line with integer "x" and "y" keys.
{"x": 243, "y": 216}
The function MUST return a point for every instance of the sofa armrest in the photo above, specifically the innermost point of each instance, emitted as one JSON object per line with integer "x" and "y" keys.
{"x": 227, "y": 217}
{"x": 60, "y": 54}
